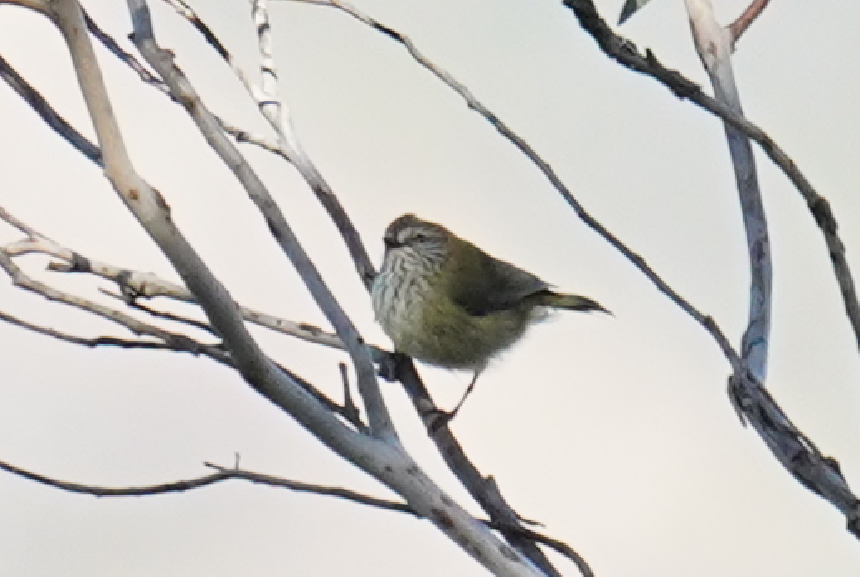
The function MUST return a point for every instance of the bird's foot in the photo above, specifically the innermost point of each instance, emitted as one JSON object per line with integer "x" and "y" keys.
{"x": 436, "y": 419}
{"x": 391, "y": 365}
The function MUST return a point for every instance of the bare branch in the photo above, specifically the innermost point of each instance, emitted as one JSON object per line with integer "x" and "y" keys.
{"x": 91, "y": 151}
{"x": 272, "y": 481}
{"x": 22, "y": 226}
{"x": 108, "y": 42}
{"x": 153, "y": 213}
{"x": 167, "y": 340}
{"x": 486, "y": 494}
{"x": 549, "y": 173}
{"x": 739, "y": 26}
{"x": 50, "y": 116}
{"x": 258, "y": 140}
{"x": 20, "y": 279}
{"x": 136, "y": 284}
{"x": 229, "y": 473}
{"x": 269, "y": 103}
{"x": 162, "y": 61}
{"x": 183, "y": 9}
{"x": 483, "y": 489}
{"x": 151, "y": 311}
{"x": 88, "y": 342}
{"x": 386, "y": 460}
{"x": 791, "y": 447}
{"x": 62, "y": 127}
{"x": 80, "y": 142}
{"x": 626, "y": 54}
{"x": 785, "y": 436}
{"x": 817, "y": 472}
{"x": 173, "y": 487}
{"x": 220, "y": 474}
{"x": 277, "y": 115}
{"x": 714, "y": 49}
{"x": 559, "y": 546}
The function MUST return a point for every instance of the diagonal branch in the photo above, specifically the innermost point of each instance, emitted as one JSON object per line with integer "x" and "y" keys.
{"x": 790, "y": 446}
{"x": 182, "y": 90}
{"x": 148, "y": 285}
{"x": 817, "y": 472}
{"x": 153, "y": 213}
{"x": 348, "y": 494}
{"x": 483, "y": 489}
{"x": 544, "y": 167}
{"x": 134, "y": 285}
{"x": 142, "y": 284}
{"x": 626, "y": 54}
{"x": 386, "y": 460}
{"x": 128, "y": 59}
{"x": 277, "y": 115}
{"x": 50, "y": 116}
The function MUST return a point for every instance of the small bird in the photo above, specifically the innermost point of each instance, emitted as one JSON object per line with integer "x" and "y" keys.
{"x": 444, "y": 301}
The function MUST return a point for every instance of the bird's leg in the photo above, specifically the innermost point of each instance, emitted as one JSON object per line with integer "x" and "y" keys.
{"x": 441, "y": 418}
{"x": 468, "y": 392}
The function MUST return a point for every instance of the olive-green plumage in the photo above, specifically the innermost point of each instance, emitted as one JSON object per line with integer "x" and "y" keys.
{"x": 444, "y": 301}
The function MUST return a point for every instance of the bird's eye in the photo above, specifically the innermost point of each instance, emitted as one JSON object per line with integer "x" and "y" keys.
{"x": 420, "y": 237}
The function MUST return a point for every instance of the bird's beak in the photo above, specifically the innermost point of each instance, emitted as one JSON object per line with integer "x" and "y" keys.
{"x": 391, "y": 243}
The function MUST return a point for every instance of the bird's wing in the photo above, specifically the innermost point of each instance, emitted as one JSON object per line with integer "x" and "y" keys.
{"x": 498, "y": 286}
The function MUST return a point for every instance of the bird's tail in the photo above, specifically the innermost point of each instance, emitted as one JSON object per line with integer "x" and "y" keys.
{"x": 570, "y": 302}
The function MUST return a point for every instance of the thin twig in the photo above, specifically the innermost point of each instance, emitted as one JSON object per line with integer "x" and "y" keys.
{"x": 263, "y": 479}
{"x": 143, "y": 281}
{"x": 50, "y": 116}
{"x": 220, "y": 474}
{"x": 386, "y": 461}
{"x": 134, "y": 285}
{"x": 108, "y": 42}
{"x": 89, "y": 341}
{"x": 135, "y": 303}
{"x": 137, "y": 284}
{"x": 278, "y": 116}
{"x": 739, "y": 26}
{"x": 172, "y": 487}
{"x": 817, "y": 472}
{"x": 22, "y": 280}
{"x": 782, "y": 437}
{"x": 483, "y": 489}
{"x": 559, "y": 546}
{"x": 242, "y": 135}
{"x": 62, "y": 127}
{"x": 549, "y": 173}
{"x": 162, "y": 61}
{"x": 184, "y": 9}
{"x": 625, "y": 53}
